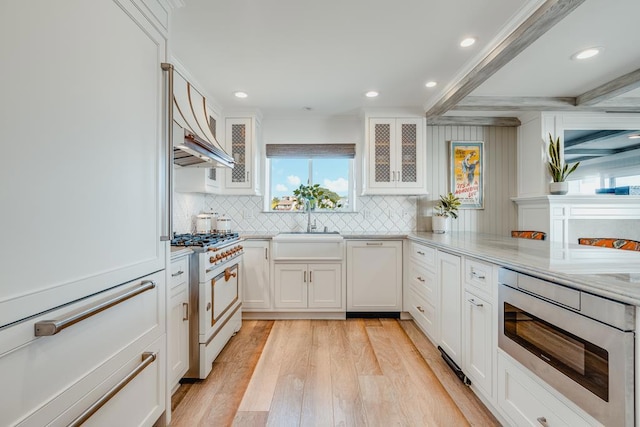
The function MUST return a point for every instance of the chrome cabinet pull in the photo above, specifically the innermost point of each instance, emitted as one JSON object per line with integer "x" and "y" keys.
{"x": 52, "y": 327}
{"x": 168, "y": 211}
{"x": 266, "y": 252}
{"x": 472, "y": 301}
{"x": 420, "y": 279}
{"x": 147, "y": 359}
{"x": 247, "y": 177}
{"x": 177, "y": 274}
{"x": 542, "y": 421}
{"x": 420, "y": 309}
{"x": 374, "y": 244}
{"x": 399, "y": 177}
{"x": 477, "y": 276}
{"x": 185, "y": 305}
{"x": 420, "y": 253}
{"x": 310, "y": 276}
{"x": 305, "y": 277}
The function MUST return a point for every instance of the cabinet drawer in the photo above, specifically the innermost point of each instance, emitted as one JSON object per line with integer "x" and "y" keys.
{"x": 423, "y": 313}
{"x": 423, "y": 281}
{"x": 423, "y": 255}
{"x": 48, "y": 366}
{"x": 527, "y": 403}
{"x": 178, "y": 272}
{"x": 478, "y": 274}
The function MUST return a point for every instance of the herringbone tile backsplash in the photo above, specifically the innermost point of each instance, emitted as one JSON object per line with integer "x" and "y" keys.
{"x": 376, "y": 214}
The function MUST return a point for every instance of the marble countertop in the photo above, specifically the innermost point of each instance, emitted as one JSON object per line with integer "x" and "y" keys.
{"x": 347, "y": 235}
{"x": 611, "y": 273}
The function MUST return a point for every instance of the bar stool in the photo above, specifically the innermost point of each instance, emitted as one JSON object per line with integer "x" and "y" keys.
{"x": 529, "y": 234}
{"x": 610, "y": 242}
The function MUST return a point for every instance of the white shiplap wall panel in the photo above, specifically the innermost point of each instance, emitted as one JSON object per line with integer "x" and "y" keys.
{"x": 499, "y": 214}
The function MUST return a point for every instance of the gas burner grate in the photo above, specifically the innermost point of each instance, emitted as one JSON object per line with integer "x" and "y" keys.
{"x": 202, "y": 240}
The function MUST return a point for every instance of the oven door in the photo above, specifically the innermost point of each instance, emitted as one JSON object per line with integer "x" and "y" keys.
{"x": 220, "y": 294}
{"x": 587, "y": 361}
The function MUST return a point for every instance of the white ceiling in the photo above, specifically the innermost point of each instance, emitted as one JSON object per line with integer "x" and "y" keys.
{"x": 292, "y": 54}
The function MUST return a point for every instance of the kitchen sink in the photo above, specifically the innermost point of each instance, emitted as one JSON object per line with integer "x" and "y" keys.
{"x": 311, "y": 232}
{"x": 300, "y": 245}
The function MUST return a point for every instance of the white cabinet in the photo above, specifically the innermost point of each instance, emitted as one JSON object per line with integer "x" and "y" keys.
{"x": 374, "y": 275}
{"x": 479, "y": 345}
{"x": 526, "y": 403}
{"x": 450, "y": 304}
{"x": 255, "y": 274}
{"x": 421, "y": 288}
{"x": 394, "y": 160}
{"x": 308, "y": 286}
{"x": 197, "y": 180}
{"x": 242, "y": 143}
{"x": 178, "y": 330}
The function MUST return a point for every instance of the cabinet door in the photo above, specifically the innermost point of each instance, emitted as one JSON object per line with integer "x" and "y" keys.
{"x": 96, "y": 158}
{"x": 290, "y": 285}
{"x": 374, "y": 276}
{"x": 254, "y": 280}
{"x": 382, "y": 153}
{"x": 450, "y": 285}
{"x": 478, "y": 348}
{"x": 178, "y": 334}
{"x": 325, "y": 286}
{"x": 409, "y": 152}
{"x": 239, "y": 145}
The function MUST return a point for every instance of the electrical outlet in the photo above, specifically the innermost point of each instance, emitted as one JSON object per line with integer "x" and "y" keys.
{"x": 247, "y": 214}
{"x": 366, "y": 214}
{"x": 391, "y": 213}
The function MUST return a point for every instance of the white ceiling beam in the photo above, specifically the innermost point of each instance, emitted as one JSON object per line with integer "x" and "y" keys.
{"x": 473, "y": 121}
{"x": 544, "y": 18}
{"x": 610, "y": 89}
{"x": 535, "y": 103}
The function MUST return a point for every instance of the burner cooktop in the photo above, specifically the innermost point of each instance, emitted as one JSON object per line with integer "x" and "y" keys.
{"x": 203, "y": 240}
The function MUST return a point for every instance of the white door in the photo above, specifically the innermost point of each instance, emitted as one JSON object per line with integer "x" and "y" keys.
{"x": 84, "y": 149}
{"x": 254, "y": 279}
{"x": 450, "y": 305}
{"x": 290, "y": 285}
{"x": 478, "y": 343}
{"x": 374, "y": 276}
{"x": 325, "y": 286}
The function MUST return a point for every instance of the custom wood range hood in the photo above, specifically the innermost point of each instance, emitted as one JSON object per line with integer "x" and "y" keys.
{"x": 193, "y": 139}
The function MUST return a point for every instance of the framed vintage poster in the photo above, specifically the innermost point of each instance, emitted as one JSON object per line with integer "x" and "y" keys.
{"x": 467, "y": 173}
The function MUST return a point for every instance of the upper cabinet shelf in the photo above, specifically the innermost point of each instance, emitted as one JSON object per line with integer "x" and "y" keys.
{"x": 394, "y": 156}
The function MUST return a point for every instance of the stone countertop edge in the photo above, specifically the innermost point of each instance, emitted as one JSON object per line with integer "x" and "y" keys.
{"x": 179, "y": 251}
{"x": 603, "y": 284}
{"x": 364, "y": 236}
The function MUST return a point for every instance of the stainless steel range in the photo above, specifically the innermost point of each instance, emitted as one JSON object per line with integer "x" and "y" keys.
{"x": 214, "y": 298}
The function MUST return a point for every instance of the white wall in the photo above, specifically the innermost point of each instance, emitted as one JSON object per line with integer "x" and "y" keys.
{"x": 499, "y": 215}
{"x": 386, "y": 214}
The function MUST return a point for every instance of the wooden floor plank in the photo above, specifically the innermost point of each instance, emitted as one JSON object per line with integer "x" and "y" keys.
{"x": 380, "y": 402}
{"x": 286, "y": 405}
{"x": 348, "y": 408}
{"x": 317, "y": 402}
{"x": 259, "y": 393}
{"x": 360, "y": 347}
{"x": 250, "y": 419}
{"x": 472, "y": 408}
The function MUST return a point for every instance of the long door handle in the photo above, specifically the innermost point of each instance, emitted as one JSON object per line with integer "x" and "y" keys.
{"x": 185, "y": 305}
{"x": 310, "y": 276}
{"x": 305, "y": 277}
{"x": 266, "y": 253}
{"x": 52, "y": 327}
{"x": 168, "y": 211}
{"x": 147, "y": 359}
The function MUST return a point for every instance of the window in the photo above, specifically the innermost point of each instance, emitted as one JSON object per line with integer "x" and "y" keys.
{"x": 330, "y": 166}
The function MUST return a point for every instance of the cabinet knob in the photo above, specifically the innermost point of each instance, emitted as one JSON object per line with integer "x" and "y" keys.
{"x": 542, "y": 421}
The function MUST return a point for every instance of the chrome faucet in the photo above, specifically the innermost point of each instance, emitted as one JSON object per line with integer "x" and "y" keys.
{"x": 307, "y": 204}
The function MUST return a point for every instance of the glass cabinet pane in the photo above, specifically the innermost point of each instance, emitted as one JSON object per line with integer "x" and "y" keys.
{"x": 409, "y": 152}
{"x": 238, "y": 151}
{"x": 382, "y": 144}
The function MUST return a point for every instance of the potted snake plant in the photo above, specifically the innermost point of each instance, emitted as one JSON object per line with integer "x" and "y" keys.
{"x": 558, "y": 170}
{"x": 446, "y": 208}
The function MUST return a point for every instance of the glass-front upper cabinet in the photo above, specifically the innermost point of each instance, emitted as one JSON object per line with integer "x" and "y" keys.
{"x": 395, "y": 163}
{"x": 241, "y": 136}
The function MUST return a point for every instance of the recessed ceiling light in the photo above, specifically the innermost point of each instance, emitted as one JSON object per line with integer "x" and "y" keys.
{"x": 587, "y": 53}
{"x": 635, "y": 136}
{"x": 240, "y": 94}
{"x": 431, "y": 84}
{"x": 371, "y": 94}
{"x": 467, "y": 42}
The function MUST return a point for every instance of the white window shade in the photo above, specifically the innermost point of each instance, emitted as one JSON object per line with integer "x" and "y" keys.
{"x": 311, "y": 151}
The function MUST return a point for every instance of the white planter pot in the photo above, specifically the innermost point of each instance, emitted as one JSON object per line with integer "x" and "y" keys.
{"x": 440, "y": 224}
{"x": 558, "y": 187}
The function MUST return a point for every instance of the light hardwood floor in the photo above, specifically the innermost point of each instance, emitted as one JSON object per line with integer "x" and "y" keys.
{"x": 356, "y": 372}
